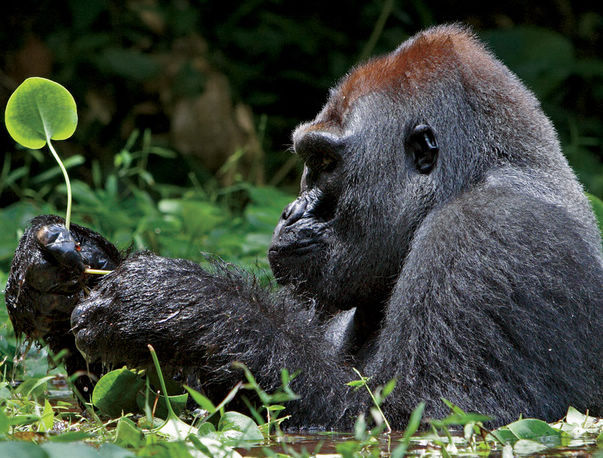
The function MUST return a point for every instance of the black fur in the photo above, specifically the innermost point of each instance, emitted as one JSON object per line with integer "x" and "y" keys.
{"x": 465, "y": 263}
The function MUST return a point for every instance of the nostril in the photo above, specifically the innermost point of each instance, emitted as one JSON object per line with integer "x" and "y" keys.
{"x": 287, "y": 211}
{"x": 295, "y": 211}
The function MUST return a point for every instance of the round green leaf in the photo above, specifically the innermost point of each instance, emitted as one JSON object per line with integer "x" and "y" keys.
{"x": 39, "y": 110}
{"x": 237, "y": 426}
{"x": 116, "y": 392}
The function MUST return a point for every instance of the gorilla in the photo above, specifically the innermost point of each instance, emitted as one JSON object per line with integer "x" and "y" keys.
{"x": 439, "y": 238}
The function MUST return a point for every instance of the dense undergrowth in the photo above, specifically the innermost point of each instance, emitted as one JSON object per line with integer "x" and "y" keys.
{"x": 128, "y": 415}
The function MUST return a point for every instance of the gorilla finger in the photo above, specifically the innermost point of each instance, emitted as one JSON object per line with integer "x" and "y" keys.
{"x": 56, "y": 240}
{"x": 95, "y": 257}
{"x": 47, "y": 277}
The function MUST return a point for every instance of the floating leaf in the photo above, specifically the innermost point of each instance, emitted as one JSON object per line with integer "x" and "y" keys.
{"x": 40, "y": 110}
{"x": 533, "y": 429}
{"x": 239, "y": 427}
{"x": 528, "y": 447}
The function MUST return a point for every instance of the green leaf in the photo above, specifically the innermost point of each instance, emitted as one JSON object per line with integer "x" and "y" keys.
{"x": 33, "y": 387}
{"x": 237, "y": 426}
{"x": 20, "y": 420}
{"x": 113, "y": 451}
{"x": 206, "y": 429}
{"x": 503, "y": 435}
{"x": 597, "y": 205}
{"x": 388, "y": 388}
{"x": 127, "y": 434}
{"x": 535, "y": 430}
{"x": 413, "y": 425}
{"x": 201, "y": 400}
{"x": 528, "y": 447}
{"x": 69, "y": 450}
{"x": 4, "y": 423}
{"x": 116, "y": 392}
{"x": 21, "y": 450}
{"x": 70, "y": 436}
{"x": 461, "y": 419}
{"x": 47, "y": 418}
{"x": 455, "y": 409}
{"x": 39, "y": 110}
{"x": 173, "y": 426}
{"x": 178, "y": 402}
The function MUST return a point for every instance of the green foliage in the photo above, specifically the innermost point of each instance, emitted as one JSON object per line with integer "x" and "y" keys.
{"x": 40, "y": 110}
{"x": 130, "y": 208}
{"x": 597, "y": 205}
{"x": 115, "y": 392}
{"x": 549, "y": 64}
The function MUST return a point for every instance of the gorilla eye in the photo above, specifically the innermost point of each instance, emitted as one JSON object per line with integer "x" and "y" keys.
{"x": 321, "y": 151}
{"x": 423, "y": 148}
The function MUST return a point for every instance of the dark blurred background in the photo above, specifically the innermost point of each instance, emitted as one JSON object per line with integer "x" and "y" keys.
{"x": 223, "y": 83}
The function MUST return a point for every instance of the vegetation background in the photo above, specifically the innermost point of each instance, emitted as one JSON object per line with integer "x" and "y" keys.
{"x": 230, "y": 79}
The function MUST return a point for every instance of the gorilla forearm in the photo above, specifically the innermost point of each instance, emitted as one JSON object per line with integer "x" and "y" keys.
{"x": 208, "y": 321}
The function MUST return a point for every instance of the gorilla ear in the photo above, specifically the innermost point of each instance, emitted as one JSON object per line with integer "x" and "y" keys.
{"x": 422, "y": 148}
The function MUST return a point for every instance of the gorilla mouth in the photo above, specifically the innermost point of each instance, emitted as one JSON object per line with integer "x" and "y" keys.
{"x": 299, "y": 248}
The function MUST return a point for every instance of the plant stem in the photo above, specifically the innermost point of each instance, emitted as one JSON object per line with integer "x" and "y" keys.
{"x": 377, "y": 30}
{"x": 67, "y": 182}
{"x": 97, "y": 271}
{"x": 364, "y": 382}
{"x": 171, "y": 413}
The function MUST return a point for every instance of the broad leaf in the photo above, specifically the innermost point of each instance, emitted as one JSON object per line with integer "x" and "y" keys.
{"x": 39, "y": 110}
{"x": 19, "y": 449}
{"x": 239, "y": 427}
{"x": 127, "y": 434}
{"x": 116, "y": 392}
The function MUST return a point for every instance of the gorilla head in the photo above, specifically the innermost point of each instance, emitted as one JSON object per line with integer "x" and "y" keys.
{"x": 399, "y": 136}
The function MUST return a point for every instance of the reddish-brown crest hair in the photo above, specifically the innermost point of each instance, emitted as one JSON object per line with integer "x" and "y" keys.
{"x": 430, "y": 56}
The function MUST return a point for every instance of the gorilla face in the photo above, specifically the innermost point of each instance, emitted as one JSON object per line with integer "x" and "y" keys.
{"x": 367, "y": 183}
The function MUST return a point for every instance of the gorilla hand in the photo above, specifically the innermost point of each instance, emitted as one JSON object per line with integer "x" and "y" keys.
{"x": 47, "y": 277}
{"x": 147, "y": 299}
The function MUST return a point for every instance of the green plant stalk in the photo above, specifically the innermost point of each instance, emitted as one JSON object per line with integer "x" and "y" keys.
{"x": 68, "y": 212}
{"x": 67, "y": 182}
{"x": 97, "y": 271}
{"x": 387, "y": 425}
{"x": 171, "y": 413}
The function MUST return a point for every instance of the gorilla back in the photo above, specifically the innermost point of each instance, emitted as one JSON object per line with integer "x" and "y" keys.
{"x": 439, "y": 237}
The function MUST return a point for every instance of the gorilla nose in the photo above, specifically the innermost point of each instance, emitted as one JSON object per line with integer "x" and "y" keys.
{"x": 291, "y": 214}
{"x": 294, "y": 211}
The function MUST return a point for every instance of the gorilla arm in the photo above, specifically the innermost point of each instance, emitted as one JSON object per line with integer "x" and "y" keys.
{"x": 201, "y": 322}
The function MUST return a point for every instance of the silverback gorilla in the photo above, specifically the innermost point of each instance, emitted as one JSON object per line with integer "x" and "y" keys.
{"x": 439, "y": 237}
